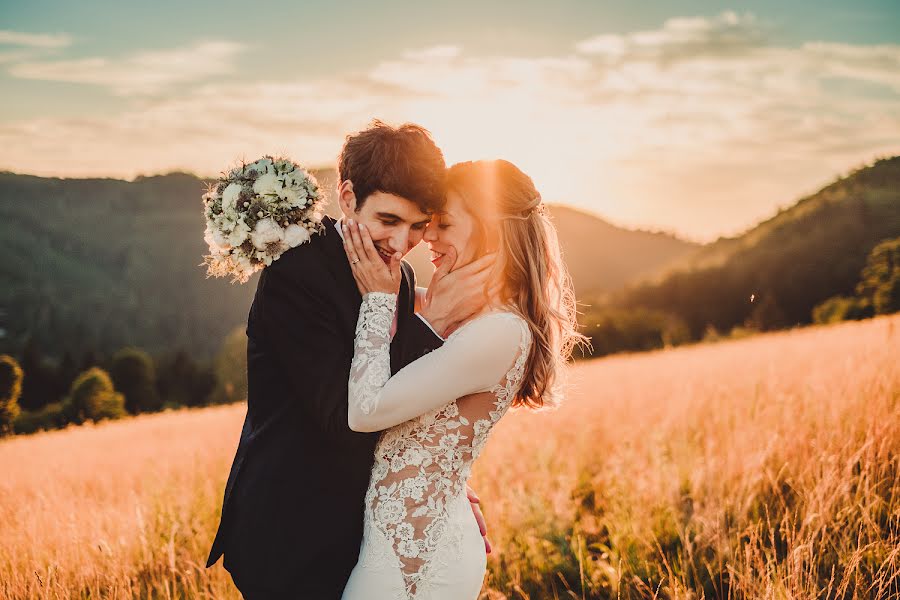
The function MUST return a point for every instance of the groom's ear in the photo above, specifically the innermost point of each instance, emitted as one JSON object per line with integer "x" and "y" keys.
{"x": 347, "y": 198}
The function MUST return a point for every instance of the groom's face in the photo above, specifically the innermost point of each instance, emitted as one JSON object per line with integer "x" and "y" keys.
{"x": 395, "y": 223}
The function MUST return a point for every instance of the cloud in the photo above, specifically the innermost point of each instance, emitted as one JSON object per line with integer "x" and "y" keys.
{"x": 15, "y": 56}
{"x": 702, "y": 126}
{"x": 680, "y": 39}
{"x": 35, "y": 40}
{"x": 146, "y": 72}
{"x": 434, "y": 52}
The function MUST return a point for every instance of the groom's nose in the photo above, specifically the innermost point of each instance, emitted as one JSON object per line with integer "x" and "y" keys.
{"x": 400, "y": 240}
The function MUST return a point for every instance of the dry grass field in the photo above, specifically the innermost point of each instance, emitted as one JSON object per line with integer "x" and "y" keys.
{"x": 767, "y": 467}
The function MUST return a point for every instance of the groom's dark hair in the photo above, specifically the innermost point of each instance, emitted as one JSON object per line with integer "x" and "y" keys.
{"x": 403, "y": 161}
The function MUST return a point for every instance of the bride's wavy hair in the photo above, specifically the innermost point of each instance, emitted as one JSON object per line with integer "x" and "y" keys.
{"x": 533, "y": 280}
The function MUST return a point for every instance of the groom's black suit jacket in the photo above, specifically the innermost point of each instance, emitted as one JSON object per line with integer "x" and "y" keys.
{"x": 292, "y": 516}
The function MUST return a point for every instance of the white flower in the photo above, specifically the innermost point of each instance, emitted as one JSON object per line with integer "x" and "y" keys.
{"x": 278, "y": 186}
{"x": 230, "y": 196}
{"x": 266, "y": 232}
{"x": 238, "y": 234}
{"x": 295, "y": 235}
{"x": 244, "y": 264}
{"x": 267, "y": 184}
{"x": 405, "y": 531}
{"x": 260, "y": 166}
{"x": 289, "y": 195}
{"x": 216, "y": 240}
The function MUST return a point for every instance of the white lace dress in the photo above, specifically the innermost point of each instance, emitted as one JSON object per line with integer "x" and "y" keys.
{"x": 420, "y": 538}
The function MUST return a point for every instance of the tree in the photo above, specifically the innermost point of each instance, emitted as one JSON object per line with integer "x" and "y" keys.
{"x": 612, "y": 329}
{"x": 134, "y": 375}
{"x": 66, "y": 372}
{"x": 231, "y": 367}
{"x": 38, "y": 385}
{"x": 94, "y": 397}
{"x": 185, "y": 382}
{"x": 10, "y": 389}
{"x": 880, "y": 278}
{"x": 841, "y": 308}
{"x": 766, "y": 315}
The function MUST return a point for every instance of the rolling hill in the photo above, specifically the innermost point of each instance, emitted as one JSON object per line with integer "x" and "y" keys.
{"x": 97, "y": 264}
{"x": 774, "y": 274}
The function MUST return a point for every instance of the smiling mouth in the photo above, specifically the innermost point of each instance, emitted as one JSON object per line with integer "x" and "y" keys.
{"x": 436, "y": 257}
{"x": 385, "y": 255}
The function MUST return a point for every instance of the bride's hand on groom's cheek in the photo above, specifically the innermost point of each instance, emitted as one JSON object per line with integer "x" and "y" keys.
{"x": 370, "y": 272}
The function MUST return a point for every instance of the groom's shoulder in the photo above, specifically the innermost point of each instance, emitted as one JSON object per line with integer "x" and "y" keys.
{"x": 307, "y": 261}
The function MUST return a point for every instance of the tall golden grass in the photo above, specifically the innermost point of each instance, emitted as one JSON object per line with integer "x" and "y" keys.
{"x": 767, "y": 467}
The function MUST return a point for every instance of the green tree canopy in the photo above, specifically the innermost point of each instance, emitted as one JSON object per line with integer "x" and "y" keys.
{"x": 10, "y": 389}
{"x": 134, "y": 375}
{"x": 880, "y": 280}
{"x": 94, "y": 397}
{"x": 231, "y": 367}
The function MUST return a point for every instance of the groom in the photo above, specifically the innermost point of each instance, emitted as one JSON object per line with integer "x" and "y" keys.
{"x": 291, "y": 521}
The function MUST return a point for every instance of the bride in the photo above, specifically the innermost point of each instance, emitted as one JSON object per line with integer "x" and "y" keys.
{"x": 420, "y": 538}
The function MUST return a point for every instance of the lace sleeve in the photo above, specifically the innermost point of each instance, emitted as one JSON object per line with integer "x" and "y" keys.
{"x": 474, "y": 359}
{"x": 371, "y": 366}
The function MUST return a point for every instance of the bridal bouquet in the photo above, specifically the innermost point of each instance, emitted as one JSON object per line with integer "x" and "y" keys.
{"x": 256, "y": 212}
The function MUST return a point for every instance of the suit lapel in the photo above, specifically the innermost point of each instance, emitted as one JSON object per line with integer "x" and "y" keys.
{"x": 333, "y": 247}
{"x": 337, "y": 261}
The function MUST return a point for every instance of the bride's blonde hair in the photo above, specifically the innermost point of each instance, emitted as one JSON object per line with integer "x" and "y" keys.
{"x": 533, "y": 281}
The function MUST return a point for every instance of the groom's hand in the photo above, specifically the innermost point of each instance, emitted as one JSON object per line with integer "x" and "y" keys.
{"x": 474, "y": 502}
{"x": 455, "y": 296}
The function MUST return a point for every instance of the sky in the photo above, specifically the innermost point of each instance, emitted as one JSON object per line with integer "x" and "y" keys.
{"x": 693, "y": 117}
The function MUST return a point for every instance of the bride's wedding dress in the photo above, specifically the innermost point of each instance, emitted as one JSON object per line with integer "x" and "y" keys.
{"x": 420, "y": 538}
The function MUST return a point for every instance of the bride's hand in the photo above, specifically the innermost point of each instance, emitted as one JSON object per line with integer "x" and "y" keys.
{"x": 370, "y": 272}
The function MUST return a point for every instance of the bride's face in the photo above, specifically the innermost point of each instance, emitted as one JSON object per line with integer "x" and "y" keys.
{"x": 452, "y": 228}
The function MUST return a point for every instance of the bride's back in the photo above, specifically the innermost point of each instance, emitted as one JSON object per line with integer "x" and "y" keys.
{"x": 422, "y": 466}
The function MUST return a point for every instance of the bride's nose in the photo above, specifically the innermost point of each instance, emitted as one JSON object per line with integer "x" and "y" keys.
{"x": 430, "y": 232}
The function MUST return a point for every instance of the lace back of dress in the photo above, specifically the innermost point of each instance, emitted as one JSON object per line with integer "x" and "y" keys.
{"x": 422, "y": 466}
